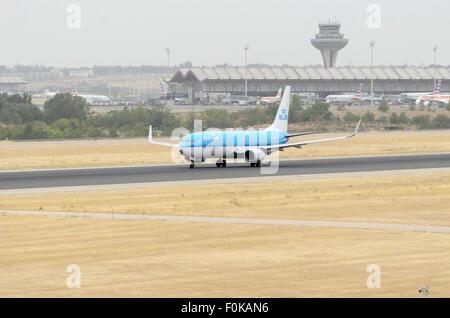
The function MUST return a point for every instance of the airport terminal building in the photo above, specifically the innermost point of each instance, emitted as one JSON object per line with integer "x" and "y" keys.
{"x": 265, "y": 81}
{"x": 11, "y": 82}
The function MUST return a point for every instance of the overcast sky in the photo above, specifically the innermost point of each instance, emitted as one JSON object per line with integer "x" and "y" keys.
{"x": 209, "y": 32}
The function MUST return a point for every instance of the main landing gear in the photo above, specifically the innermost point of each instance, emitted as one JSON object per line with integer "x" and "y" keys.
{"x": 221, "y": 163}
{"x": 192, "y": 165}
{"x": 255, "y": 164}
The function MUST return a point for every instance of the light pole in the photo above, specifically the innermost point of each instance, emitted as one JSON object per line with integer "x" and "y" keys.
{"x": 246, "y": 49}
{"x": 168, "y": 62}
{"x": 372, "y": 44}
{"x": 434, "y": 68}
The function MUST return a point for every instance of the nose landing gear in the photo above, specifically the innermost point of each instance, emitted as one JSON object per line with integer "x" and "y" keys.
{"x": 221, "y": 163}
{"x": 255, "y": 164}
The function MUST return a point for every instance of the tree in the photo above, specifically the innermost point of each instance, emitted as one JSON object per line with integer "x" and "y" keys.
{"x": 403, "y": 119}
{"x": 441, "y": 121}
{"x": 368, "y": 117}
{"x": 422, "y": 121}
{"x": 382, "y": 119}
{"x": 295, "y": 109}
{"x": 317, "y": 112}
{"x": 447, "y": 106}
{"x": 217, "y": 118}
{"x": 65, "y": 106}
{"x": 383, "y": 107}
{"x": 350, "y": 117}
{"x": 393, "y": 119}
{"x": 412, "y": 106}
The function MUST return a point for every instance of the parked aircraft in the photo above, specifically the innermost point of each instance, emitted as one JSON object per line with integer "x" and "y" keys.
{"x": 90, "y": 99}
{"x": 428, "y": 100}
{"x": 415, "y": 96}
{"x": 345, "y": 98}
{"x": 376, "y": 100}
{"x": 271, "y": 99}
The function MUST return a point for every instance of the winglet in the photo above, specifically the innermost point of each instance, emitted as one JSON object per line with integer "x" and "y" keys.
{"x": 357, "y": 128}
{"x": 150, "y": 140}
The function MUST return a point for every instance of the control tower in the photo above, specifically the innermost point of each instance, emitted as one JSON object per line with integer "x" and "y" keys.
{"x": 329, "y": 41}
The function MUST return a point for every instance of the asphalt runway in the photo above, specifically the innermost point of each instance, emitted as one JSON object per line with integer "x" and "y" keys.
{"x": 123, "y": 175}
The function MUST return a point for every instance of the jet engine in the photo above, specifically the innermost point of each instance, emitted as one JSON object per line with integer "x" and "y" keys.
{"x": 254, "y": 155}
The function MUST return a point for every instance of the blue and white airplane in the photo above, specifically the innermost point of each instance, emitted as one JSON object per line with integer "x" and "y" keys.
{"x": 251, "y": 145}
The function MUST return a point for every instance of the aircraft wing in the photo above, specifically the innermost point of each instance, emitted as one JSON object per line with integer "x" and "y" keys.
{"x": 304, "y": 133}
{"x": 150, "y": 140}
{"x": 302, "y": 143}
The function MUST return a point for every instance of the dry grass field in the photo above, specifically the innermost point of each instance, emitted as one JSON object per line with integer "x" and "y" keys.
{"x": 179, "y": 259}
{"x": 183, "y": 259}
{"x": 409, "y": 199}
{"x": 91, "y": 153}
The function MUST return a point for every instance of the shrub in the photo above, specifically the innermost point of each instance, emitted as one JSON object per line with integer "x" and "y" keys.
{"x": 350, "y": 117}
{"x": 383, "y": 107}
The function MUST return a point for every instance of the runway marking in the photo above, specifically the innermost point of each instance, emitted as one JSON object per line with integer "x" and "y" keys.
{"x": 258, "y": 179}
{"x": 334, "y": 224}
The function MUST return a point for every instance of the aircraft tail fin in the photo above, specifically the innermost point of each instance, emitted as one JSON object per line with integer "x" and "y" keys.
{"x": 279, "y": 93}
{"x": 74, "y": 89}
{"x": 437, "y": 89}
{"x": 358, "y": 92}
{"x": 162, "y": 90}
{"x": 281, "y": 118}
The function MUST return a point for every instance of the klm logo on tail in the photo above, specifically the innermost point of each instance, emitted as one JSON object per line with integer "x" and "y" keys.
{"x": 283, "y": 115}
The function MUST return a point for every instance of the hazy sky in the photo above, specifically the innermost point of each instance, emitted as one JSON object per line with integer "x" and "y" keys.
{"x": 209, "y": 32}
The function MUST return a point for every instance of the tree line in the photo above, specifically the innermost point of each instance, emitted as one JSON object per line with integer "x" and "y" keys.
{"x": 67, "y": 116}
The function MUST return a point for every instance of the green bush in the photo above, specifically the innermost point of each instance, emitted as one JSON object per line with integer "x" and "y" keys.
{"x": 441, "y": 122}
{"x": 382, "y": 119}
{"x": 421, "y": 121}
{"x": 3, "y": 133}
{"x": 350, "y": 117}
{"x": 368, "y": 117}
{"x": 383, "y": 107}
{"x": 403, "y": 119}
{"x": 319, "y": 111}
{"x": 65, "y": 106}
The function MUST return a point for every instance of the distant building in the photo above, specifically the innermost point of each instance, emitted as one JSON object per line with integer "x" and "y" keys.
{"x": 329, "y": 41}
{"x": 265, "y": 81}
{"x": 81, "y": 73}
{"x": 52, "y": 74}
{"x": 11, "y": 82}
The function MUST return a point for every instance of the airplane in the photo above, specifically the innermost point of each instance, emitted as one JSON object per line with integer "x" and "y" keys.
{"x": 345, "y": 98}
{"x": 50, "y": 94}
{"x": 376, "y": 100}
{"x": 415, "y": 96}
{"x": 429, "y": 99}
{"x": 90, "y": 99}
{"x": 271, "y": 99}
{"x": 251, "y": 145}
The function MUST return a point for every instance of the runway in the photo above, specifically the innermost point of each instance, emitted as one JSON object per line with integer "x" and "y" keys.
{"x": 162, "y": 173}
